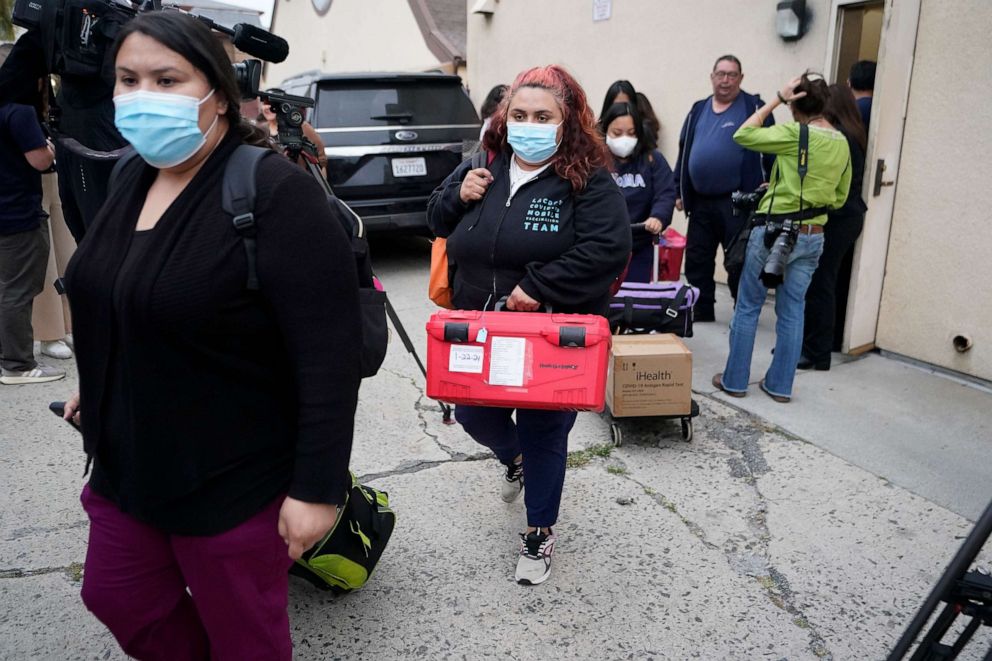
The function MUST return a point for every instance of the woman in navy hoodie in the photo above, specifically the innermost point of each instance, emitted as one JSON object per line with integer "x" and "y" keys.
{"x": 645, "y": 179}
{"x": 542, "y": 225}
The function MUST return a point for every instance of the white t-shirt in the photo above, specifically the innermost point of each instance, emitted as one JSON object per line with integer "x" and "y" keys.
{"x": 519, "y": 176}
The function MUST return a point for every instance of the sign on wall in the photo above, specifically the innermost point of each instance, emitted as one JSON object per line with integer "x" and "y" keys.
{"x": 601, "y": 9}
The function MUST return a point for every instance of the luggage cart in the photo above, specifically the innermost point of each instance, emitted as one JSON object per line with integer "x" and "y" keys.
{"x": 616, "y": 431}
{"x": 673, "y": 260}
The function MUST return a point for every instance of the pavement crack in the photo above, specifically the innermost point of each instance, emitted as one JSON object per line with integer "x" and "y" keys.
{"x": 748, "y": 555}
{"x": 421, "y": 466}
{"x": 422, "y": 409}
{"x": 741, "y": 434}
{"x": 73, "y": 572}
{"x": 662, "y": 500}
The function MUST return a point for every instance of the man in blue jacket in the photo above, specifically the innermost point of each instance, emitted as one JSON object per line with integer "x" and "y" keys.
{"x": 710, "y": 167}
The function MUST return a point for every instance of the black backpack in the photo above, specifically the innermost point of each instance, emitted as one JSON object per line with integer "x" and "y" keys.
{"x": 238, "y": 199}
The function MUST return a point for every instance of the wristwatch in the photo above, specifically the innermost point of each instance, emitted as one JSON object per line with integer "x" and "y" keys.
{"x": 781, "y": 98}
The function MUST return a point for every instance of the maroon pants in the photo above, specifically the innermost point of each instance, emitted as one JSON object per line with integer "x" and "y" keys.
{"x": 136, "y": 581}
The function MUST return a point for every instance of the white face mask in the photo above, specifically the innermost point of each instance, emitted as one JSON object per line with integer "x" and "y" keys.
{"x": 623, "y": 146}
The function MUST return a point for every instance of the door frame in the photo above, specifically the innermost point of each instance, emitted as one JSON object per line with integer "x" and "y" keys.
{"x": 896, "y": 55}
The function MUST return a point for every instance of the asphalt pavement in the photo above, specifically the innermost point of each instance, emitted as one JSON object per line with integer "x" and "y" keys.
{"x": 811, "y": 530}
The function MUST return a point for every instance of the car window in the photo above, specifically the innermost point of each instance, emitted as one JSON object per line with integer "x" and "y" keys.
{"x": 417, "y": 103}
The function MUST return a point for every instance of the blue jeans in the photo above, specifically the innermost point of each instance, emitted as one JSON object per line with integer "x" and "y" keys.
{"x": 541, "y": 437}
{"x": 790, "y": 303}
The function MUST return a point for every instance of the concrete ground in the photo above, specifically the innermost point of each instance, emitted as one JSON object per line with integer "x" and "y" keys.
{"x": 811, "y": 530}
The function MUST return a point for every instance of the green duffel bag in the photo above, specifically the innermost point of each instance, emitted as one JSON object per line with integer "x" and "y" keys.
{"x": 344, "y": 559}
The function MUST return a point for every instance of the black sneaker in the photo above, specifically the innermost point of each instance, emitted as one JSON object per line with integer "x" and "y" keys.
{"x": 512, "y": 483}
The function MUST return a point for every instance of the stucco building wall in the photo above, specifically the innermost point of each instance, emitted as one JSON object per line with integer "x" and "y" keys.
{"x": 354, "y": 35}
{"x": 938, "y": 280}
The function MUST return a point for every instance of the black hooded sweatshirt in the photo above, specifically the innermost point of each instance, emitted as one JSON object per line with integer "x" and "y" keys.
{"x": 564, "y": 248}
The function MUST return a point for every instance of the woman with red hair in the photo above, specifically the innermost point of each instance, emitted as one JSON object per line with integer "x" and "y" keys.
{"x": 543, "y": 225}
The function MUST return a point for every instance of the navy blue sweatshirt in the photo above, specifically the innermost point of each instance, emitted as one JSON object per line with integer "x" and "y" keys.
{"x": 648, "y": 185}
{"x": 563, "y": 248}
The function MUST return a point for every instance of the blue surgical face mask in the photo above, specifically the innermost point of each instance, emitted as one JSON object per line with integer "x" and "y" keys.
{"x": 532, "y": 143}
{"x": 163, "y": 128}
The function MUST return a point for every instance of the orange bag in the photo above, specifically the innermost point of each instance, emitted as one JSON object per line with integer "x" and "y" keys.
{"x": 438, "y": 287}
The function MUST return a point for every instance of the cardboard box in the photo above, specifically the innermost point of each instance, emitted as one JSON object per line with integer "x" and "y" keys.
{"x": 649, "y": 375}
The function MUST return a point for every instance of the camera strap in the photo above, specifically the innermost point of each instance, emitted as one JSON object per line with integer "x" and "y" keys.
{"x": 802, "y": 167}
{"x": 803, "y": 164}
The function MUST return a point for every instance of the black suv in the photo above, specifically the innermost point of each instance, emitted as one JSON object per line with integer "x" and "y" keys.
{"x": 390, "y": 139}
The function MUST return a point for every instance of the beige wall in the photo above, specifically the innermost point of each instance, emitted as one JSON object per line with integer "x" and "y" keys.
{"x": 939, "y": 268}
{"x": 354, "y": 35}
{"x": 666, "y": 49}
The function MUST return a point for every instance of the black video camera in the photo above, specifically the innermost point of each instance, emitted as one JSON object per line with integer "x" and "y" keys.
{"x": 77, "y": 33}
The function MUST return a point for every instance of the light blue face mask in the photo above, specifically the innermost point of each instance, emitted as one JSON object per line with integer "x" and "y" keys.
{"x": 532, "y": 143}
{"x": 163, "y": 128}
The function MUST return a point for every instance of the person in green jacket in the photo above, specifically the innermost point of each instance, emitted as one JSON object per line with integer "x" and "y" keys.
{"x": 804, "y": 200}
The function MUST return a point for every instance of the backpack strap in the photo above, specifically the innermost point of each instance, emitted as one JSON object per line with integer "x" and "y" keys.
{"x": 672, "y": 309}
{"x": 478, "y": 160}
{"x": 238, "y": 199}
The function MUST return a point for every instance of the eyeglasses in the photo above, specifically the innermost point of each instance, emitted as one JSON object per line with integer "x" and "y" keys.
{"x": 729, "y": 75}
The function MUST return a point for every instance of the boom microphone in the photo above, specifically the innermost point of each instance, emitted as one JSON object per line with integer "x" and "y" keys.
{"x": 260, "y": 43}
{"x": 252, "y": 40}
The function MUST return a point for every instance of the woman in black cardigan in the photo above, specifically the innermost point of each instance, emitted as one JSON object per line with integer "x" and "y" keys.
{"x": 219, "y": 420}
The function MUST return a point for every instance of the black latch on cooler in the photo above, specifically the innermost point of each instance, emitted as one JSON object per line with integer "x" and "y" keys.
{"x": 455, "y": 332}
{"x": 571, "y": 336}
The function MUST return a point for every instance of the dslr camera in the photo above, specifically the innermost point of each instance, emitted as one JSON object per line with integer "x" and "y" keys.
{"x": 743, "y": 203}
{"x": 780, "y": 240}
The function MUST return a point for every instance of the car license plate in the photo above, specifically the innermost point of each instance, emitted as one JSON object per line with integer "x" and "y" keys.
{"x": 409, "y": 167}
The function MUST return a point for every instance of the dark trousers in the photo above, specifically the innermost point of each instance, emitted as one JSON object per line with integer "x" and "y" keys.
{"x": 23, "y": 260}
{"x": 712, "y": 223}
{"x": 236, "y": 608}
{"x": 541, "y": 437}
{"x": 839, "y": 235}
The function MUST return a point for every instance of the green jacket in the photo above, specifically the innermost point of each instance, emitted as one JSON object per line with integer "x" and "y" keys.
{"x": 827, "y": 179}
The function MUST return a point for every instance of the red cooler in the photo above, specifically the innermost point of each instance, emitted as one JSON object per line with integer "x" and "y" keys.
{"x": 528, "y": 360}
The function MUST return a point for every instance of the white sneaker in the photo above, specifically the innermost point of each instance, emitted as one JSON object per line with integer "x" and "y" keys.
{"x": 534, "y": 563}
{"x": 512, "y": 483}
{"x": 56, "y": 349}
{"x": 70, "y": 342}
{"x": 40, "y": 374}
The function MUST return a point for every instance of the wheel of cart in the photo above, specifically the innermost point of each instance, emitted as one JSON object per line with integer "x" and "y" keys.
{"x": 616, "y": 430}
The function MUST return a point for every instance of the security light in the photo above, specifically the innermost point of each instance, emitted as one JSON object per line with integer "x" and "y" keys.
{"x": 791, "y": 19}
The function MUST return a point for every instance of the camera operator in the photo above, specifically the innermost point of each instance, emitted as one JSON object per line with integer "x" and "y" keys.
{"x": 812, "y": 174}
{"x": 219, "y": 418}
{"x": 83, "y": 111}
{"x": 316, "y": 147}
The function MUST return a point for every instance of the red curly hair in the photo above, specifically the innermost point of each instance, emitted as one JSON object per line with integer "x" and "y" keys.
{"x": 582, "y": 149}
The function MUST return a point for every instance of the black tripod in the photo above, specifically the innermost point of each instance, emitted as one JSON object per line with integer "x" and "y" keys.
{"x": 964, "y": 592}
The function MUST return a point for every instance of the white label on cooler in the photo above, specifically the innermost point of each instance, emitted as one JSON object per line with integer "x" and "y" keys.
{"x": 506, "y": 362}
{"x": 465, "y": 358}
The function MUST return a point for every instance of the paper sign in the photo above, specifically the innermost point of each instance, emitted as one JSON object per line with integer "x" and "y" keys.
{"x": 506, "y": 361}
{"x": 601, "y": 9}
{"x": 465, "y": 358}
